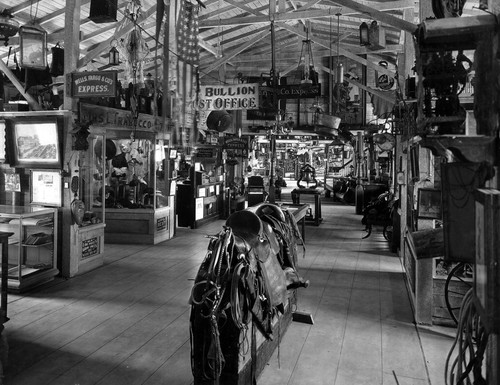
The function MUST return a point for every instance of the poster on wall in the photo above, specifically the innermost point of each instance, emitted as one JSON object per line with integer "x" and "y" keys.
{"x": 198, "y": 211}
{"x": 46, "y": 188}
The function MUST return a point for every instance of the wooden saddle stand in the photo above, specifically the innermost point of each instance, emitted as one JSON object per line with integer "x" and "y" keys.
{"x": 244, "y": 296}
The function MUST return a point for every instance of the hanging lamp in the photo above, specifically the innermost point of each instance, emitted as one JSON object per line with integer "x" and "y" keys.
{"x": 8, "y": 26}
{"x": 340, "y": 67}
{"x": 308, "y": 69}
{"x": 114, "y": 55}
{"x": 33, "y": 42}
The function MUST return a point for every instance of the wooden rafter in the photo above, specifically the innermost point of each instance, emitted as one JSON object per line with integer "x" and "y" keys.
{"x": 125, "y": 28}
{"x": 376, "y": 14}
{"x": 308, "y": 13}
{"x": 342, "y": 51}
{"x": 232, "y": 54}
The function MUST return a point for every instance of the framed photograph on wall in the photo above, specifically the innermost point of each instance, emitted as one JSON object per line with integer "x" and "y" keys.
{"x": 429, "y": 204}
{"x": 46, "y": 188}
{"x": 34, "y": 142}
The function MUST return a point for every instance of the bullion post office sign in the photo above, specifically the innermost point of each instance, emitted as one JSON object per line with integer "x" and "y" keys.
{"x": 229, "y": 97}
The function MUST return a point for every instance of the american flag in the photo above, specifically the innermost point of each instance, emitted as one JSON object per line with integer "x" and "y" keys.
{"x": 187, "y": 33}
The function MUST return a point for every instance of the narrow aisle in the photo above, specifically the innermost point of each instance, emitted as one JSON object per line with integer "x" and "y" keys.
{"x": 363, "y": 330}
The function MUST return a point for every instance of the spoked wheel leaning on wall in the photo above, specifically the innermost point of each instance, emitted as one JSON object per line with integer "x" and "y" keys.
{"x": 458, "y": 282}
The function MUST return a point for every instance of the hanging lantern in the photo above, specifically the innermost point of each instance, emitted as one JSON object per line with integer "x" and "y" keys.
{"x": 8, "y": 26}
{"x": 57, "y": 65}
{"x": 364, "y": 34}
{"x": 377, "y": 36}
{"x": 114, "y": 55}
{"x": 33, "y": 46}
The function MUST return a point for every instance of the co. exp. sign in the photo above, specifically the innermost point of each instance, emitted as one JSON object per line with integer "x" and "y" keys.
{"x": 231, "y": 97}
{"x": 293, "y": 91}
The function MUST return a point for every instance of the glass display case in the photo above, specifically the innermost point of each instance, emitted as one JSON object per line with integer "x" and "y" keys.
{"x": 136, "y": 186}
{"x": 33, "y": 245}
{"x": 87, "y": 234}
{"x": 127, "y": 181}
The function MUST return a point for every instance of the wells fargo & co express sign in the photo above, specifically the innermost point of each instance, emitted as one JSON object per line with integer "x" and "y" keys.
{"x": 93, "y": 84}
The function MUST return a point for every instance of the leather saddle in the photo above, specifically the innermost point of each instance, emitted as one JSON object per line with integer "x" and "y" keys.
{"x": 258, "y": 240}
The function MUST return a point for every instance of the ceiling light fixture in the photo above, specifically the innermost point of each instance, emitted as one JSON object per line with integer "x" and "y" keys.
{"x": 33, "y": 46}
{"x": 308, "y": 69}
{"x": 340, "y": 67}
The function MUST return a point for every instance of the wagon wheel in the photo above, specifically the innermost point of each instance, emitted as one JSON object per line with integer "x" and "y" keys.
{"x": 453, "y": 296}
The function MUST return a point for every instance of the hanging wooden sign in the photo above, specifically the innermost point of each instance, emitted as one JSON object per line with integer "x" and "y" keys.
{"x": 231, "y": 97}
{"x": 100, "y": 115}
{"x": 237, "y": 147}
{"x": 293, "y": 91}
{"x": 93, "y": 84}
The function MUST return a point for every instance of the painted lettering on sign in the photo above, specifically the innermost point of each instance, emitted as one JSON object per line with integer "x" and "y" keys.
{"x": 116, "y": 117}
{"x": 90, "y": 247}
{"x": 232, "y": 97}
{"x": 90, "y": 84}
{"x": 161, "y": 223}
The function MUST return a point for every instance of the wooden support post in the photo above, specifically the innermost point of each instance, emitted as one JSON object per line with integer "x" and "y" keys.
{"x": 71, "y": 54}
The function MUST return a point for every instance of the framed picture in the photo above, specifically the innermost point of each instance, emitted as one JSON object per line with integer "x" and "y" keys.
{"x": 429, "y": 203}
{"x": 34, "y": 143}
{"x": 46, "y": 187}
{"x": 12, "y": 182}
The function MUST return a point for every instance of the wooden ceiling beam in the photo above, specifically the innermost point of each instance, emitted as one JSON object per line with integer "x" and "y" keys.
{"x": 234, "y": 53}
{"x": 20, "y": 88}
{"x": 278, "y": 16}
{"x": 239, "y": 5}
{"x": 305, "y": 12}
{"x": 342, "y": 51}
{"x": 317, "y": 54}
{"x": 120, "y": 31}
{"x": 375, "y": 14}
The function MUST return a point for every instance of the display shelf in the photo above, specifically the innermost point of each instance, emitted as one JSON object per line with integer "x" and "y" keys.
{"x": 199, "y": 203}
{"x": 30, "y": 263}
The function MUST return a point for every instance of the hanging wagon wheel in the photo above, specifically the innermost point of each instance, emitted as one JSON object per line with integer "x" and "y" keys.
{"x": 458, "y": 283}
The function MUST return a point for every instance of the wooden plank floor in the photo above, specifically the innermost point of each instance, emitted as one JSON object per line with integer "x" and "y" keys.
{"x": 127, "y": 322}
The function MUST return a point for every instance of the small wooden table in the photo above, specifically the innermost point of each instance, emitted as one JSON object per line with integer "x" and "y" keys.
{"x": 317, "y": 192}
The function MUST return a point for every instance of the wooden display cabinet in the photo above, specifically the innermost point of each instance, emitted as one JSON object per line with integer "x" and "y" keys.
{"x": 199, "y": 201}
{"x": 32, "y": 247}
{"x": 87, "y": 237}
{"x": 138, "y": 207}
